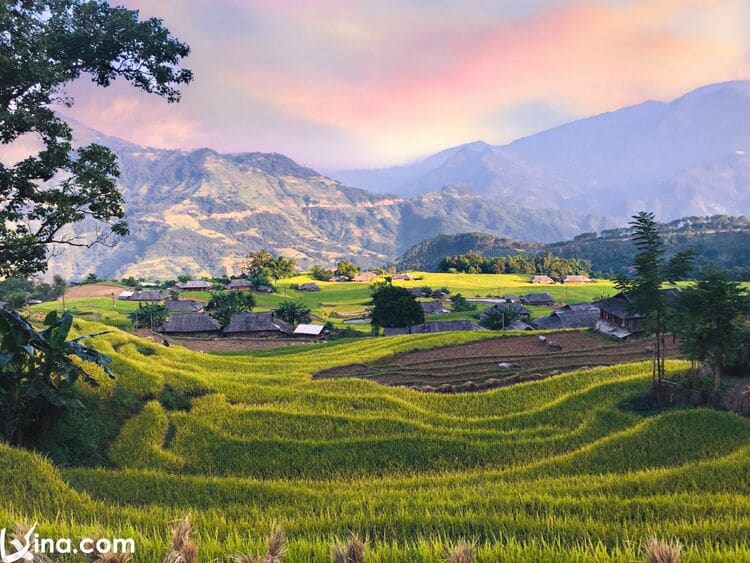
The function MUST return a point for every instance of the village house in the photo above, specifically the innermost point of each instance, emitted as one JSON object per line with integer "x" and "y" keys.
{"x": 577, "y": 279}
{"x": 264, "y": 289}
{"x": 433, "y": 308}
{"x": 125, "y": 295}
{"x": 618, "y": 317}
{"x": 338, "y": 279}
{"x": 541, "y": 280}
{"x": 576, "y": 315}
{"x": 257, "y": 325}
{"x": 184, "y": 306}
{"x": 401, "y": 277}
{"x": 310, "y": 286}
{"x": 416, "y": 291}
{"x": 309, "y": 331}
{"x": 538, "y": 299}
{"x": 365, "y": 277}
{"x": 519, "y": 325}
{"x": 194, "y": 285}
{"x": 432, "y": 326}
{"x": 149, "y": 295}
{"x": 239, "y": 284}
{"x": 191, "y": 324}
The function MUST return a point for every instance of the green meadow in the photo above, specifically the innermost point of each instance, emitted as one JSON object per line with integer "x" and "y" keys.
{"x": 571, "y": 468}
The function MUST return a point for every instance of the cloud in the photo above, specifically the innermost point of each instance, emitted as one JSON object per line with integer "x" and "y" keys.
{"x": 343, "y": 83}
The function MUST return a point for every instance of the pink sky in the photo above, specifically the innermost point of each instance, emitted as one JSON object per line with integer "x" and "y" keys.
{"x": 349, "y": 83}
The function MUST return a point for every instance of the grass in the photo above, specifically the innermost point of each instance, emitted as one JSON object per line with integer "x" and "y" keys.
{"x": 558, "y": 469}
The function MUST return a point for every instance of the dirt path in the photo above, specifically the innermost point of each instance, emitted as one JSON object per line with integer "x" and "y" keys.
{"x": 93, "y": 290}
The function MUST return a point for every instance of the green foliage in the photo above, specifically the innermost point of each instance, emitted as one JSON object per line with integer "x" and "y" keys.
{"x": 652, "y": 271}
{"x": 320, "y": 274}
{"x": 223, "y": 305}
{"x": 544, "y": 263}
{"x": 498, "y": 317}
{"x": 347, "y": 269}
{"x": 49, "y": 44}
{"x": 460, "y": 304}
{"x": 17, "y": 291}
{"x": 149, "y": 315}
{"x": 38, "y": 374}
{"x": 710, "y": 321}
{"x": 394, "y": 307}
{"x": 262, "y": 263}
{"x": 293, "y": 313}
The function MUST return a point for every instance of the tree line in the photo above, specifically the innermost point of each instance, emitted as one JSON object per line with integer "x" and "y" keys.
{"x": 544, "y": 264}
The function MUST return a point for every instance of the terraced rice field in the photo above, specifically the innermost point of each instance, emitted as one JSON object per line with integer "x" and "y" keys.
{"x": 479, "y": 362}
{"x": 571, "y": 468}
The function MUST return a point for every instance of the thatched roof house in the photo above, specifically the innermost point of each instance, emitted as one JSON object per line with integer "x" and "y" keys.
{"x": 402, "y": 277}
{"x": 432, "y": 326}
{"x": 519, "y": 325}
{"x": 433, "y": 308}
{"x": 149, "y": 295}
{"x": 338, "y": 279}
{"x": 541, "y": 280}
{"x": 239, "y": 284}
{"x": 257, "y": 324}
{"x": 309, "y": 286}
{"x": 578, "y": 315}
{"x": 416, "y": 291}
{"x": 577, "y": 279}
{"x": 365, "y": 277}
{"x": 538, "y": 299}
{"x": 191, "y": 324}
{"x": 184, "y": 306}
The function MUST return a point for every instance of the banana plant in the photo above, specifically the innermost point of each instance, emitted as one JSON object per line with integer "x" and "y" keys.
{"x": 38, "y": 374}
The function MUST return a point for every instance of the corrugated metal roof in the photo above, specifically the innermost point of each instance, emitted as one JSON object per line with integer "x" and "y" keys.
{"x": 309, "y": 330}
{"x": 257, "y": 322}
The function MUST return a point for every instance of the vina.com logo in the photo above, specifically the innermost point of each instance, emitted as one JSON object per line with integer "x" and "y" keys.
{"x": 29, "y": 544}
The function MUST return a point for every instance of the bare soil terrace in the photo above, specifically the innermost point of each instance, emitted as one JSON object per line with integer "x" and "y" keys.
{"x": 477, "y": 363}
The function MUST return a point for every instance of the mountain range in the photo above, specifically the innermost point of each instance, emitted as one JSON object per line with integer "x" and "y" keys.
{"x": 200, "y": 211}
{"x": 687, "y": 157}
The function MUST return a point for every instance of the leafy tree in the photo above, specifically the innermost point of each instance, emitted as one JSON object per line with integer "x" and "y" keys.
{"x": 260, "y": 277}
{"x": 347, "y": 269}
{"x": 44, "y": 46}
{"x": 394, "y": 306}
{"x": 460, "y": 303}
{"x": 184, "y": 278}
{"x": 293, "y": 313}
{"x": 38, "y": 374}
{"x": 652, "y": 271}
{"x": 225, "y": 304}
{"x": 321, "y": 274}
{"x": 498, "y": 317}
{"x": 262, "y": 261}
{"x": 149, "y": 315}
{"x": 710, "y": 320}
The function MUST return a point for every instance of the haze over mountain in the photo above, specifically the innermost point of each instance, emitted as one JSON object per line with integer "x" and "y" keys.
{"x": 200, "y": 211}
{"x": 690, "y": 156}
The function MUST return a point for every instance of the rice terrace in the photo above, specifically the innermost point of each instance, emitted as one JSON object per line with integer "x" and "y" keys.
{"x": 374, "y": 282}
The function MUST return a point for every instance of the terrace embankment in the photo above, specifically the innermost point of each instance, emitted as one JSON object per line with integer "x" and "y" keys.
{"x": 478, "y": 362}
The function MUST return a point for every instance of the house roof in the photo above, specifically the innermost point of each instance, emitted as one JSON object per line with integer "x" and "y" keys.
{"x": 190, "y": 322}
{"x": 578, "y": 307}
{"x": 433, "y": 307}
{"x": 149, "y": 295}
{"x": 401, "y": 277}
{"x": 576, "y": 279}
{"x": 310, "y": 286}
{"x": 621, "y": 305}
{"x": 395, "y": 331}
{"x": 365, "y": 276}
{"x": 541, "y": 279}
{"x": 566, "y": 318}
{"x": 195, "y": 284}
{"x": 443, "y": 326}
{"x": 535, "y": 298}
{"x": 519, "y": 325}
{"x": 309, "y": 330}
{"x": 183, "y": 306}
{"x": 238, "y": 283}
{"x": 125, "y": 294}
{"x": 256, "y": 322}
{"x": 416, "y": 291}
